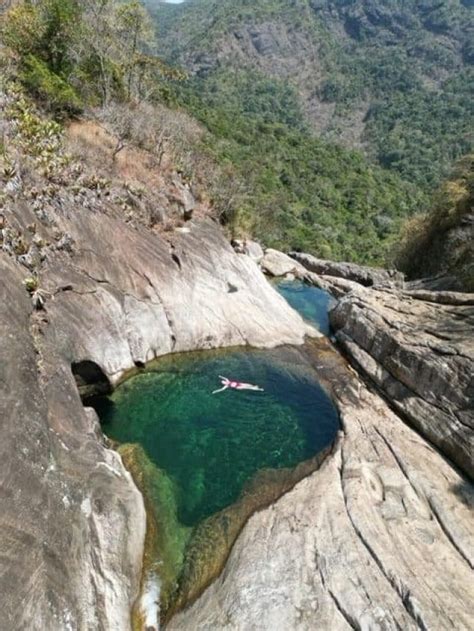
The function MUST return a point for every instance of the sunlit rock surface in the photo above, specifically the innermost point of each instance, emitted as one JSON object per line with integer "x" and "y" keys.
{"x": 421, "y": 354}
{"x": 381, "y": 536}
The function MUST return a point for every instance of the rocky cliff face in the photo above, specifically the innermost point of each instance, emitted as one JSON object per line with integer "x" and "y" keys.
{"x": 72, "y": 521}
{"x": 418, "y": 348}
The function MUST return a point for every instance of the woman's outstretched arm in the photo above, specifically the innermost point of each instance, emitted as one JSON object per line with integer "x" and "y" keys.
{"x": 220, "y": 389}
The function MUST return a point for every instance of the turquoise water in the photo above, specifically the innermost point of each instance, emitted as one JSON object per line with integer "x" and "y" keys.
{"x": 211, "y": 445}
{"x": 312, "y": 303}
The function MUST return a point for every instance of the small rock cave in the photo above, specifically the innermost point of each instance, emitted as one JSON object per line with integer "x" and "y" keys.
{"x": 90, "y": 379}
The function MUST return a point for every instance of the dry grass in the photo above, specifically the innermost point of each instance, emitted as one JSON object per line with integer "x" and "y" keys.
{"x": 145, "y": 182}
{"x": 95, "y": 146}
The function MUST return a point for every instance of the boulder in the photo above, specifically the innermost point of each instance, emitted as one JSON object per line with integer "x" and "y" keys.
{"x": 183, "y": 197}
{"x": 254, "y": 250}
{"x": 248, "y": 247}
{"x": 276, "y": 263}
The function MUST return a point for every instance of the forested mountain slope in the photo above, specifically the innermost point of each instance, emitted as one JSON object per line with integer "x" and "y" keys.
{"x": 393, "y": 78}
{"x": 316, "y": 127}
{"x": 441, "y": 243}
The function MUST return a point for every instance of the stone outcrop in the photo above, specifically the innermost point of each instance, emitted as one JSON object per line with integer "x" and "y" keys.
{"x": 421, "y": 354}
{"x": 146, "y": 296}
{"x": 72, "y": 521}
{"x": 417, "y": 346}
{"x": 379, "y": 538}
{"x": 276, "y": 263}
{"x": 362, "y": 274}
{"x": 250, "y": 248}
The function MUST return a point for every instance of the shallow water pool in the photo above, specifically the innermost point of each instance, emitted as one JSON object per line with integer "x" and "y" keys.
{"x": 212, "y": 445}
{"x": 311, "y": 302}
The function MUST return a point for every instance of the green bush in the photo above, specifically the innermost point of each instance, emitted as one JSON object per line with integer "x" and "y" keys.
{"x": 49, "y": 87}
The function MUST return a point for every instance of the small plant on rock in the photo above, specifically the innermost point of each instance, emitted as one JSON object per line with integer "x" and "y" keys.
{"x": 38, "y": 296}
{"x": 31, "y": 284}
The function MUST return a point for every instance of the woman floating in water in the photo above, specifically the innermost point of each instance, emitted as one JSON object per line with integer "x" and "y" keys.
{"x": 236, "y": 385}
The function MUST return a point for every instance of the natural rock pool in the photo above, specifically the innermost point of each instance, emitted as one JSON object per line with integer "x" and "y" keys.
{"x": 311, "y": 302}
{"x": 211, "y": 445}
{"x": 205, "y": 462}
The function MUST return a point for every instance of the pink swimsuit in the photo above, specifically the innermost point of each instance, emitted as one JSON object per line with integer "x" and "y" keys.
{"x": 235, "y": 385}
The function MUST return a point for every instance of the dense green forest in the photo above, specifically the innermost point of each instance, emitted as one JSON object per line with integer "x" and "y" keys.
{"x": 404, "y": 67}
{"x": 271, "y": 168}
{"x": 397, "y": 79}
{"x": 291, "y": 189}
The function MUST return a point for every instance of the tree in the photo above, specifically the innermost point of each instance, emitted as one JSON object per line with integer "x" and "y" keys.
{"x": 101, "y": 49}
{"x": 135, "y": 33}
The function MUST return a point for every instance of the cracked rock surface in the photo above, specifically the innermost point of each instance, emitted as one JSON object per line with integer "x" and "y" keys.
{"x": 418, "y": 347}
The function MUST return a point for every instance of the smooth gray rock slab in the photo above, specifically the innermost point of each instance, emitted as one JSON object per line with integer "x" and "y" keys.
{"x": 72, "y": 522}
{"x": 276, "y": 263}
{"x": 419, "y": 348}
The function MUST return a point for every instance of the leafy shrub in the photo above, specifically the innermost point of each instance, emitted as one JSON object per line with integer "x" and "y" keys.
{"x": 50, "y": 88}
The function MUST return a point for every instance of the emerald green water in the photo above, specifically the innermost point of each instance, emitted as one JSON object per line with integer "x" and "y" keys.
{"x": 312, "y": 303}
{"x": 211, "y": 445}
